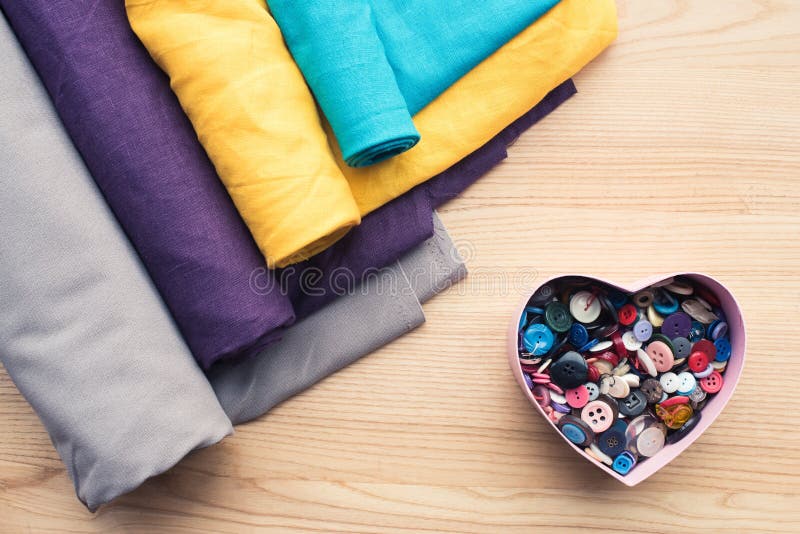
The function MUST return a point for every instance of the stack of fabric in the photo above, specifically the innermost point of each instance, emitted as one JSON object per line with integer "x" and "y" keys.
{"x": 210, "y": 206}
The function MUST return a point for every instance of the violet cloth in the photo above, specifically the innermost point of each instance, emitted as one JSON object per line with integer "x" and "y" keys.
{"x": 140, "y": 148}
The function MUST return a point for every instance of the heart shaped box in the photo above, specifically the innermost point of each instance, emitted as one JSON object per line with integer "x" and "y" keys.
{"x": 712, "y": 408}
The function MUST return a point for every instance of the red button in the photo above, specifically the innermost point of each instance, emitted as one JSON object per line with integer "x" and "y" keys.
{"x": 627, "y": 314}
{"x": 672, "y": 401}
{"x": 577, "y": 397}
{"x": 610, "y": 357}
{"x": 706, "y": 346}
{"x": 593, "y": 374}
{"x": 698, "y": 361}
{"x": 712, "y": 383}
{"x": 619, "y": 345}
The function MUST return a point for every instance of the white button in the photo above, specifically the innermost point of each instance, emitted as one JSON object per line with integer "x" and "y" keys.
{"x": 630, "y": 341}
{"x": 698, "y": 312}
{"x": 557, "y": 398}
{"x": 632, "y": 380}
{"x": 680, "y": 288}
{"x": 604, "y": 366}
{"x": 686, "y": 383}
{"x": 650, "y": 441}
{"x": 593, "y": 390}
{"x": 670, "y": 382}
{"x": 602, "y": 346}
{"x": 585, "y": 307}
{"x": 646, "y": 362}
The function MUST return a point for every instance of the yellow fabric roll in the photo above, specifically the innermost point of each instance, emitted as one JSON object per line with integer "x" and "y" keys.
{"x": 254, "y": 115}
{"x": 257, "y": 120}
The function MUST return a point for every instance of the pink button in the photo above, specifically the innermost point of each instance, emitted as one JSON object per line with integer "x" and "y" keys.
{"x": 598, "y": 415}
{"x": 577, "y": 397}
{"x": 712, "y": 383}
{"x": 661, "y": 355}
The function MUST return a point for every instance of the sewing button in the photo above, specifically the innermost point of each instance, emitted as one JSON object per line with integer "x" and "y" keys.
{"x": 676, "y": 325}
{"x": 557, "y": 317}
{"x": 538, "y": 339}
{"x": 643, "y": 298}
{"x": 682, "y": 347}
{"x": 685, "y": 429}
{"x": 687, "y": 383}
{"x": 650, "y": 441}
{"x": 661, "y": 355}
{"x": 569, "y": 371}
{"x": 601, "y": 347}
{"x": 634, "y": 404}
{"x": 610, "y": 357}
{"x": 680, "y": 288}
{"x": 674, "y": 415}
{"x": 592, "y": 373}
{"x": 652, "y": 389}
{"x": 575, "y": 430}
{"x": 647, "y": 362}
{"x": 541, "y": 394}
{"x": 619, "y": 346}
{"x": 598, "y": 415}
{"x": 600, "y": 455}
{"x": 630, "y": 341}
{"x": 612, "y": 441}
{"x": 653, "y": 316}
{"x": 624, "y": 463}
{"x": 578, "y": 335}
{"x": 632, "y": 380}
{"x": 707, "y": 347}
{"x": 585, "y": 307}
{"x": 544, "y": 294}
{"x": 617, "y": 298}
{"x": 643, "y": 330}
{"x": 712, "y": 383}
{"x": 528, "y": 381}
{"x": 697, "y": 332}
{"x": 627, "y": 315}
{"x": 561, "y": 408}
{"x": 698, "y": 361}
{"x": 589, "y": 344}
{"x": 617, "y": 387}
{"x": 603, "y": 367}
{"x": 669, "y": 381}
{"x": 697, "y": 395}
{"x": 577, "y": 397}
{"x": 723, "y": 347}
{"x": 664, "y": 303}
{"x": 593, "y": 390}
{"x": 699, "y": 311}
{"x": 705, "y": 372}
{"x": 717, "y": 329}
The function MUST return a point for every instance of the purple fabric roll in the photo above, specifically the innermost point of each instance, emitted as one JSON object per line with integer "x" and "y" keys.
{"x": 141, "y": 150}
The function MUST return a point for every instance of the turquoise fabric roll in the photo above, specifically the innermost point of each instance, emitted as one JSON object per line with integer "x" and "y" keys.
{"x": 373, "y": 64}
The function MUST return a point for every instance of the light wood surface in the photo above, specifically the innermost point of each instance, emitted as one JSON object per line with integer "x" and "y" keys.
{"x": 679, "y": 153}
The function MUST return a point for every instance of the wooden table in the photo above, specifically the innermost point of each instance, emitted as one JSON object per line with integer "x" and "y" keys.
{"x": 679, "y": 153}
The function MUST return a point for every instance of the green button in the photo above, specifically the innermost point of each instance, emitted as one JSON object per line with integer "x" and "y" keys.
{"x": 557, "y": 317}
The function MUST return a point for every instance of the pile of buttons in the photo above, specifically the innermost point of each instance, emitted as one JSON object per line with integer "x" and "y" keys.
{"x": 622, "y": 375}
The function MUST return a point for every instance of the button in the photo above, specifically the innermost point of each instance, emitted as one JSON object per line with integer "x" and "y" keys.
{"x": 712, "y": 383}
{"x": 643, "y": 298}
{"x": 652, "y": 389}
{"x": 723, "y": 347}
{"x": 679, "y": 288}
{"x": 575, "y": 430}
{"x": 687, "y": 383}
{"x": 654, "y": 317}
{"x": 632, "y": 380}
{"x": 538, "y": 339}
{"x": 619, "y": 346}
{"x": 593, "y": 390}
{"x": 699, "y": 311}
{"x": 528, "y": 381}
{"x": 669, "y": 381}
{"x": 664, "y": 303}
{"x": 624, "y": 463}
{"x": 617, "y": 298}
{"x": 610, "y": 357}
{"x": 705, "y": 372}
{"x": 717, "y": 329}
{"x": 661, "y": 355}
{"x": 684, "y": 430}
{"x": 630, "y": 341}
{"x": 616, "y": 387}
{"x": 569, "y": 371}
{"x": 698, "y": 361}
{"x": 650, "y": 441}
{"x": 676, "y": 325}
{"x": 674, "y": 401}
{"x": 603, "y": 367}
{"x": 588, "y": 346}
{"x": 577, "y": 397}
{"x": 578, "y": 335}
{"x": 682, "y": 347}
{"x": 643, "y": 330}
{"x": 647, "y": 362}
{"x": 706, "y": 346}
{"x": 561, "y": 408}
{"x": 627, "y": 315}
{"x": 602, "y": 346}
{"x": 598, "y": 415}
{"x": 612, "y": 442}
{"x": 674, "y": 416}
{"x": 543, "y": 295}
{"x": 585, "y": 307}
{"x": 600, "y": 455}
{"x": 697, "y": 332}
{"x": 592, "y": 374}
{"x": 697, "y": 395}
{"x": 634, "y": 404}
{"x": 541, "y": 394}
{"x": 557, "y": 317}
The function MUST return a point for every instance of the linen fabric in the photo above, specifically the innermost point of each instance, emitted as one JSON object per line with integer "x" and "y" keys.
{"x": 83, "y": 333}
{"x": 142, "y": 152}
{"x": 372, "y": 65}
{"x": 383, "y": 307}
{"x": 464, "y": 117}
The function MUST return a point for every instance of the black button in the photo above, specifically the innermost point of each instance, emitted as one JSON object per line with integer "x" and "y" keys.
{"x": 612, "y": 442}
{"x": 652, "y": 389}
{"x": 682, "y": 432}
{"x": 634, "y": 404}
{"x": 570, "y": 371}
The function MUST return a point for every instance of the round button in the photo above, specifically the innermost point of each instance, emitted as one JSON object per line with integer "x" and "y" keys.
{"x": 619, "y": 346}
{"x": 717, "y": 329}
{"x": 557, "y": 317}
{"x": 682, "y": 346}
{"x": 617, "y": 387}
{"x": 634, "y": 404}
{"x": 654, "y": 317}
{"x": 624, "y": 463}
{"x": 544, "y": 294}
{"x": 585, "y": 307}
{"x": 617, "y": 298}
{"x": 610, "y": 357}
{"x": 686, "y": 383}
{"x": 538, "y": 339}
{"x": 652, "y": 389}
{"x": 577, "y": 397}
{"x": 674, "y": 416}
{"x": 643, "y": 298}
{"x": 602, "y": 346}
{"x": 647, "y": 362}
{"x": 612, "y": 441}
{"x": 676, "y": 325}
{"x": 706, "y": 346}
{"x": 679, "y": 288}
{"x": 699, "y": 311}
{"x": 528, "y": 381}
{"x": 697, "y": 332}
{"x": 650, "y": 441}
{"x": 578, "y": 335}
{"x": 661, "y": 355}
{"x": 570, "y": 371}
{"x": 685, "y": 429}
{"x": 598, "y": 415}
{"x": 627, "y": 315}
{"x": 575, "y": 430}
{"x": 712, "y": 383}
{"x": 541, "y": 394}
{"x": 697, "y": 395}
{"x": 643, "y": 330}
{"x": 630, "y": 341}
{"x": 723, "y": 347}
{"x": 705, "y": 372}
{"x": 664, "y": 303}
{"x": 593, "y": 390}
{"x": 698, "y": 361}
{"x": 670, "y": 382}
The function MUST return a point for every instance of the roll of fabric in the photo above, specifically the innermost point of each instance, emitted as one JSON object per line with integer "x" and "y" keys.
{"x": 124, "y": 119}
{"x": 384, "y": 306}
{"x": 256, "y": 119}
{"x": 83, "y": 333}
{"x": 372, "y": 65}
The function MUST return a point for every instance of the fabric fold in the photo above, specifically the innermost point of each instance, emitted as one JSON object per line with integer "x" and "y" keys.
{"x": 83, "y": 333}
{"x": 144, "y": 156}
{"x": 372, "y": 65}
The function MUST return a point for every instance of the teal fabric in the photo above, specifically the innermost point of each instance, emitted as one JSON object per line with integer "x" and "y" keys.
{"x": 373, "y": 64}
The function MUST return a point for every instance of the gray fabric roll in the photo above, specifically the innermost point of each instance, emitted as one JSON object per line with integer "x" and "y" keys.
{"x": 83, "y": 333}
{"x": 382, "y": 308}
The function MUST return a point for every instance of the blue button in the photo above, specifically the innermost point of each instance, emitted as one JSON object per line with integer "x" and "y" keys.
{"x": 574, "y": 433}
{"x": 664, "y": 303}
{"x": 523, "y": 320}
{"x": 624, "y": 463}
{"x": 578, "y": 335}
{"x": 697, "y": 332}
{"x": 612, "y": 442}
{"x": 538, "y": 339}
{"x": 617, "y": 298}
{"x": 723, "y": 347}
{"x": 589, "y": 344}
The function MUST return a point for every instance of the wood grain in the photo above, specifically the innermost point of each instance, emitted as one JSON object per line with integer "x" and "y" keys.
{"x": 680, "y": 153}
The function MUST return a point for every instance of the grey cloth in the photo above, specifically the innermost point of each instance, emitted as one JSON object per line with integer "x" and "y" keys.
{"x": 83, "y": 333}
{"x": 383, "y": 307}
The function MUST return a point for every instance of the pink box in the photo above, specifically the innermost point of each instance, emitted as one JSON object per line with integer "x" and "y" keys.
{"x": 714, "y": 405}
